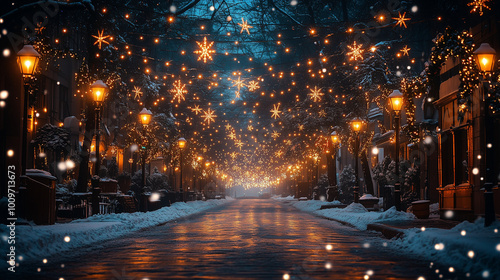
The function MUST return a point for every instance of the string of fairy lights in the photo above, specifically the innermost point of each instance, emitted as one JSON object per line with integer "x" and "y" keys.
{"x": 268, "y": 132}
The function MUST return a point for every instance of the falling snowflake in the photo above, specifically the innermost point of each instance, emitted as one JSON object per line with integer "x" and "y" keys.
{"x": 204, "y": 52}
{"x": 479, "y": 4}
{"x": 356, "y": 51}
{"x": 197, "y": 110}
{"x": 253, "y": 85}
{"x": 101, "y": 38}
{"x": 137, "y": 92}
{"x": 405, "y": 50}
{"x": 209, "y": 116}
{"x": 276, "y": 112}
{"x": 179, "y": 91}
{"x": 244, "y": 26}
{"x": 316, "y": 94}
{"x": 401, "y": 20}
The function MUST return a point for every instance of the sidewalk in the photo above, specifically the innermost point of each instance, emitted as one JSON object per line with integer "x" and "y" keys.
{"x": 391, "y": 229}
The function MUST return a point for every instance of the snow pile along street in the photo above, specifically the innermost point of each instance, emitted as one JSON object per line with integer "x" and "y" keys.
{"x": 354, "y": 214}
{"x": 469, "y": 247}
{"x": 39, "y": 242}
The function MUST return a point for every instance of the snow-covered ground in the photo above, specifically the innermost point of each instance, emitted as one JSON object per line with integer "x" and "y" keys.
{"x": 40, "y": 242}
{"x": 469, "y": 248}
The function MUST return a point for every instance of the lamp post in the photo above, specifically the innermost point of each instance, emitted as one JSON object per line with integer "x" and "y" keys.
{"x": 27, "y": 59}
{"x": 335, "y": 142}
{"x": 144, "y": 119}
{"x": 485, "y": 59}
{"x": 195, "y": 172}
{"x": 396, "y": 103}
{"x": 98, "y": 90}
{"x": 182, "y": 144}
{"x": 357, "y": 125}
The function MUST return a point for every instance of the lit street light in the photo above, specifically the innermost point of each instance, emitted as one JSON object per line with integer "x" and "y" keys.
{"x": 144, "y": 119}
{"x": 396, "y": 103}
{"x": 27, "y": 59}
{"x": 485, "y": 59}
{"x": 357, "y": 126}
{"x": 182, "y": 144}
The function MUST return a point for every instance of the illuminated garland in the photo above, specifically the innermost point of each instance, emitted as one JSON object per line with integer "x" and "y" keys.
{"x": 459, "y": 45}
{"x": 412, "y": 88}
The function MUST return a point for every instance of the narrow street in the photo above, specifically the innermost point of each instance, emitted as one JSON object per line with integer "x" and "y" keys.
{"x": 246, "y": 239}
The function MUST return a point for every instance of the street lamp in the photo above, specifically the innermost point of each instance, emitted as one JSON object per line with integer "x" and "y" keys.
{"x": 332, "y": 166}
{"x": 98, "y": 92}
{"x": 396, "y": 104}
{"x": 182, "y": 144}
{"x": 485, "y": 59}
{"x": 357, "y": 125}
{"x": 144, "y": 119}
{"x": 27, "y": 59}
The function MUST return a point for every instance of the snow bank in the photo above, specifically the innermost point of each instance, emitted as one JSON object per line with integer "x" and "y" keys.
{"x": 34, "y": 243}
{"x": 469, "y": 247}
{"x": 354, "y": 214}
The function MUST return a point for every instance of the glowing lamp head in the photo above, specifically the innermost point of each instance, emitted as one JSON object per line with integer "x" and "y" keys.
{"x": 485, "y": 57}
{"x": 145, "y": 116}
{"x": 27, "y": 59}
{"x": 396, "y": 100}
{"x": 98, "y": 91}
{"x": 334, "y": 137}
{"x": 182, "y": 142}
{"x": 357, "y": 124}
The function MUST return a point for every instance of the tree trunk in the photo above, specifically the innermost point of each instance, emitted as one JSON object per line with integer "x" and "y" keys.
{"x": 366, "y": 173}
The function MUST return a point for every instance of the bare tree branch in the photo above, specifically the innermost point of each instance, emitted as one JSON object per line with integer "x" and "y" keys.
{"x": 271, "y": 2}
{"x": 187, "y": 7}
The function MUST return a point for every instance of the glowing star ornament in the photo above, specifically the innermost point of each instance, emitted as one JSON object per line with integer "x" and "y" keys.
{"x": 244, "y": 26}
{"x": 101, "y": 38}
{"x": 275, "y": 134}
{"x": 179, "y": 91}
{"x": 209, "y": 116}
{"x": 237, "y": 94}
{"x": 276, "y": 111}
{"x": 233, "y": 155}
{"x": 301, "y": 127}
{"x": 479, "y": 5}
{"x": 401, "y": 20}
{"x": 204, "y": 52}
{"x": 322, "y": 113}
{"x": 137, "y": 92}
{"x": 228, "y": 126}
{"x": 250, "y": 127}
{"x": 356, "y": 51}
{"x": 197, "y": 110}
{"x": 232, "y": 135}
{"x": 239, "y": 144}
{"x": 316, "y": 94}
{"x": 253, "y": 85}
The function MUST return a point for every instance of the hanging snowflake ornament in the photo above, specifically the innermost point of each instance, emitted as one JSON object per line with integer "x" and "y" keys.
{"x": 197, "y": 110}
{"x": 479, "y": 5}
{"x": 204, "y": 52}
{"x": 316, "y": 94}
{"x": 276, "y": 111}
{"x": 179, "y": 91}
{"x": 209, "y": 116}
{"x": 356, "y": 51}
{"x": 101, "y": 38}
{"x": 322, "y": 114}
{"x": 237, "y": 94}
{"x": 239, "y": 144}
{"x": 238, "y": 83}
{"x": 405, "y": 50}
{"x": 137, "y": 92}
{"x": 400, "y": 20}
{"x": 244, "y": 26}
{"x": 253, "y": 85}
{"x": 275, "y": 134}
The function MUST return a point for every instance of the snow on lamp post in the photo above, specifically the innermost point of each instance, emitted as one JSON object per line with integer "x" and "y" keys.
{"x": 396, "y": 104}
{"x": 182, "y": 144}
{"x": 485, "y": 57}
{"x": 27, "y": 59}
{"x": 357, "y": 126}
{"x": 144, "y": 119}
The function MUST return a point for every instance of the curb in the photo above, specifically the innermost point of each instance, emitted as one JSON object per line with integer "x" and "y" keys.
{"x": 387, "y": 232}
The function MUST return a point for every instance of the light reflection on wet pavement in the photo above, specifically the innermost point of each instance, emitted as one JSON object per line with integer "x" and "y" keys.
{"x": 246, "y": 239}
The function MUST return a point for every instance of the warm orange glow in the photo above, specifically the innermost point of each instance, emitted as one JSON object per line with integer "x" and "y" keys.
{"x": 145, "y": 116}
{"x": 396, "y": 100}
{"x": 27, "y": 59}
{"x": 485, "y": 57}
{"x": 99, "y": 91}
{"x": 182, "y": 142}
